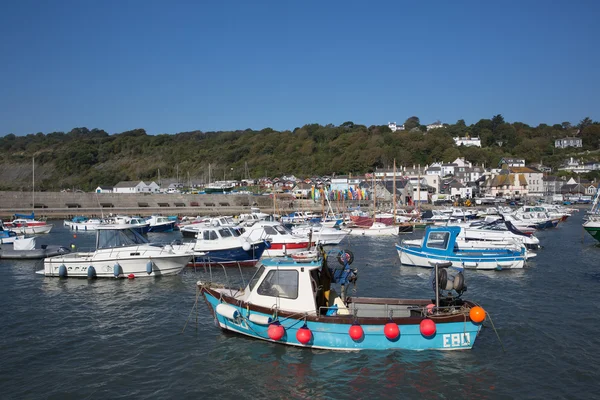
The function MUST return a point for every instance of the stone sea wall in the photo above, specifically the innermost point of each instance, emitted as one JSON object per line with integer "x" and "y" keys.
{"x": 66, "y": 204}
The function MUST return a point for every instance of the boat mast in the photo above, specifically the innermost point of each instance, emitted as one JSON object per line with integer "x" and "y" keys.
{"x": 394, "y": 198}
{"x": 33, "y": 184}
{"x": 374, "y": 199}
{"x": 419, "y": 191}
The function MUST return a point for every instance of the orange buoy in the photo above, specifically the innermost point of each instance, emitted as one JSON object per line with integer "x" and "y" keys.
{"x": 356, "y": 332}
{"x": 304, "y": 335}
{"x": 391, "y": 331}
{"x": 276, "y": 331}
{"x": 427, "y": 328}
{"x": 477, "y": 314}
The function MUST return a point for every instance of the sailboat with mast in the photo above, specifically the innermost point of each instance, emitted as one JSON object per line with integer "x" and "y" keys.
{"x": 217, "y": 187}
{"x": 26, "y": 224}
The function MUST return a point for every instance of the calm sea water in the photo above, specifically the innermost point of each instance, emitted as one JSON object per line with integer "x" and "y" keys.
{"x": 100, "y": 339}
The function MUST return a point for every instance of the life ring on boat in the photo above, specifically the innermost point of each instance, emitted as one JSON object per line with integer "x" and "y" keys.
{"x": 345, "y": 257}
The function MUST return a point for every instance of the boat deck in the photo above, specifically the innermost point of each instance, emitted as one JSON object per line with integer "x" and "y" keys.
{"x": 380, "y": 310}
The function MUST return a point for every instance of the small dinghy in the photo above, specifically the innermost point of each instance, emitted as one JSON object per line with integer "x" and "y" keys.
{"x": 25, "y": 249}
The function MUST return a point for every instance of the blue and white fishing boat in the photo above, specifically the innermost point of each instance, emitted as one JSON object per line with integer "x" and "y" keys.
{"x": 159, "y": 223}
{"x": 294, "y": 303}
{"x": 7, "y": 236}
{"x": 223, "y": 245}
{"x": 439, "y": 245}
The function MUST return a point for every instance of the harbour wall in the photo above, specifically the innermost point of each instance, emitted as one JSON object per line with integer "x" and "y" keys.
{"x": 66, "y": 204}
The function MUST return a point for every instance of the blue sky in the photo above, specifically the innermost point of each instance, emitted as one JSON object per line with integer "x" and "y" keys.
{"x": 178, "y": 66}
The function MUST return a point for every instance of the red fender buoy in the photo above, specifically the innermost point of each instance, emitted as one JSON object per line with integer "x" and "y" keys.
{"x": 391, "y": 331}
{"x": 427, "y": 327}
{"x": 276, "y": 331}
{"x": 304, "y": 335}
{"x": 356, "y": 332}
{"x": 131, "y": 276}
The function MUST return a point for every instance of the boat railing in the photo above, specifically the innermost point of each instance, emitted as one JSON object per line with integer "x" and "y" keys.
{"x": 208, "y": 267}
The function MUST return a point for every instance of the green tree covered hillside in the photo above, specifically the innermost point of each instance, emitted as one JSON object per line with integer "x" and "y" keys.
{"x": 84, "y": 158}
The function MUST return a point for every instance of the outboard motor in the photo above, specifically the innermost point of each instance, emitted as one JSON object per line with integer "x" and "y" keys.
{"x": 449, "y": 282}
{"x": 445, "y": 284}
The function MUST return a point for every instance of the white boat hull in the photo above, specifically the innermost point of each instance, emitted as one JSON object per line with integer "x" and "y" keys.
{"x": 32, "y": 230}
{"x": 81, "y": 226}
{"x": 429, "y": 261}
{"x": 119, "y": 263}
{"x": 377, "y": 229}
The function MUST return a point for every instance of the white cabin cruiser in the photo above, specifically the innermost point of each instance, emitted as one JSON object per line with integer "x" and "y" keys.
{"x": 121, "y": 252}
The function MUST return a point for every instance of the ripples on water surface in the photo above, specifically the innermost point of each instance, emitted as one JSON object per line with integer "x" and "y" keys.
{"x": 123, "y": 339}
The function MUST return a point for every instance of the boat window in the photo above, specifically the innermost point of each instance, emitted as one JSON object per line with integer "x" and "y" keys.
{"x": 209, "y": 235}
{"x": 256, "y": 277}
{"x": 269, "y": 230}
{"x": 236, "y": 231}
{"x": 438, "y": 240}
{"x": 280, "y": 284}
{"x": 225, "y": 233}
{"x": 109, "y": 238}
{"x": 282, "y": 229}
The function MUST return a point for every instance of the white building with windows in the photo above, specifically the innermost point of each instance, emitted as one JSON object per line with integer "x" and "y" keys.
{"x": 568, "y": 142}
{"x": 435, "y": 125}
{"x": 511, "y": 162}
{"x": 394, "y": 127}
{"x": 467, "y": 141}
{"x": 133, "y": 187}
{"x": 534, "y": 179}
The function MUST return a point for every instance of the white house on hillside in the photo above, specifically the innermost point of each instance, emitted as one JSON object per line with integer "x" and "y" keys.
{"x": 394, "y": 127}
{"x": 435, "y": 125}
{"x": 512, "y": 162}
{"x": 568, "y": 142}
{"x": 467, "y": 141}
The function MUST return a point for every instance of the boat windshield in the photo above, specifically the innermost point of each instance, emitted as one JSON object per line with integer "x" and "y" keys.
{"x": 110, "y": 238}
{"x": 256, "y": 277}
{"x": 282, "y": 230}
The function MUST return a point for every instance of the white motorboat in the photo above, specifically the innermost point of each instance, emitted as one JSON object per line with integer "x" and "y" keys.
{"x": 499, "y": 230}
{"x": 121, "y": 252}
{"x": 26, "y": 229}
{"x": 80, "y": 223}
{"x": 191, "y": 230}
{"x": 321, "y": 234}
{"x": 281, "y": 240}
{"x": 377, "y": 229}
{"x": 223, "y": 245}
